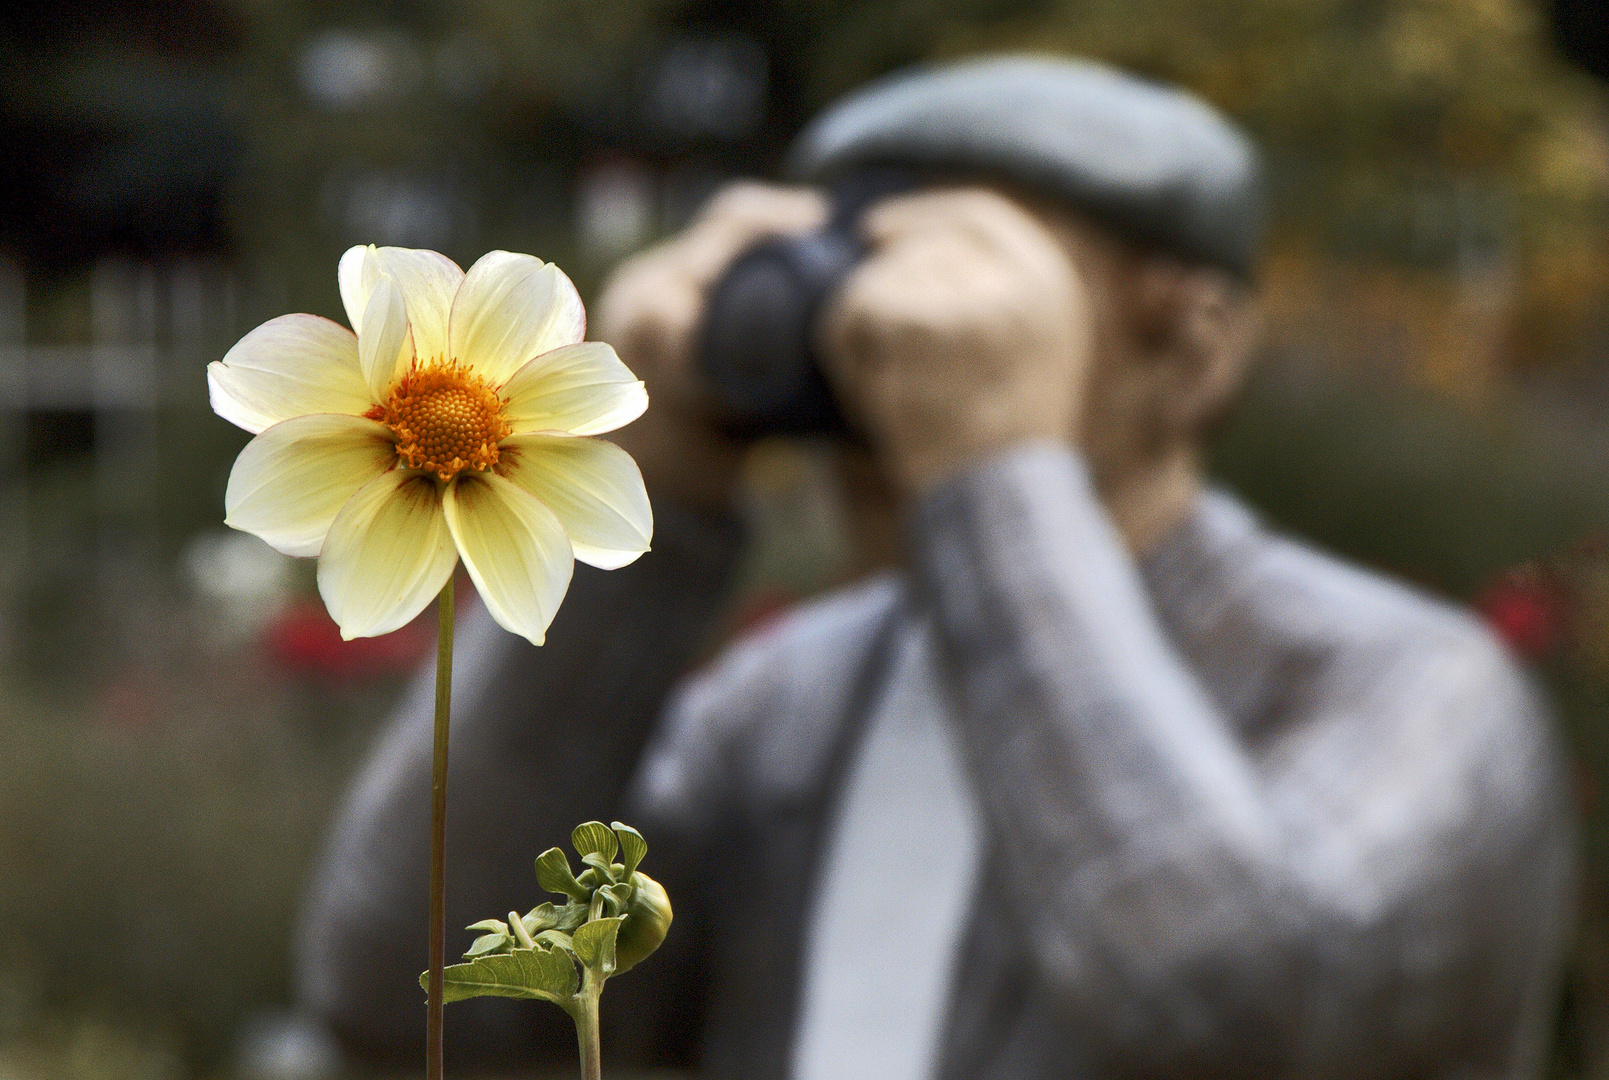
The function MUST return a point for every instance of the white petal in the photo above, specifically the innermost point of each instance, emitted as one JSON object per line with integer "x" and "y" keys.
{"x": 385, "y": 349}
{"x": 583, "y": 389}
{"x": 289, "y": 366}
{"x": 428, "y": 281}
{"x": 290, "y": 482}
{"x": 514, "y": 548}
{"x": 349, "y": 274}
{"x": 388, "y": 554}
{"x": 592, "y": 487}
{"x": 510, "y": 309}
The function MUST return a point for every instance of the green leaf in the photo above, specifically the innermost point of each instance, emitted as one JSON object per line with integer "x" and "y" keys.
{"x": 601, "y": 865}
{"x": 490, "y": 926}
{"x": 517, "y": 925}
{"x": 557, "y": 938}
{"x": 543, "y": 974}
{"x": 570, "y": 917}
{"x": 487, "y": 943}
{"x": 632, "y": 847}
{"x": 542, "y": 917}
{"x": 595, "y": 945}
{"x": 616, "y": 897}
{"x": 595, "y": 837}
{"x": 553, "y": 875}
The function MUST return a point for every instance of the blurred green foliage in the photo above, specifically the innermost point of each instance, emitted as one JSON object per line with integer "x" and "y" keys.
{"x": 156, "y": 836}
{"x": 1435, "y": 132}
{"x": 1403, "y": 479}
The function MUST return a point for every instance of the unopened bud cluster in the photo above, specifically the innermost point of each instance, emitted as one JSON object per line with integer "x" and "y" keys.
{"x": 613, "y": 916}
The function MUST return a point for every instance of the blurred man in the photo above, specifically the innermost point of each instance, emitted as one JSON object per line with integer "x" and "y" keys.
{"x": 1102, "y": 779}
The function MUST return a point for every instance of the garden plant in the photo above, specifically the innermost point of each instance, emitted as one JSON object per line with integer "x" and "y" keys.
{"x": 454, "y": 422}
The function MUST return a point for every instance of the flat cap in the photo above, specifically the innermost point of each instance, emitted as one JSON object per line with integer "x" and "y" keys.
{"x": 1152, "y": 162}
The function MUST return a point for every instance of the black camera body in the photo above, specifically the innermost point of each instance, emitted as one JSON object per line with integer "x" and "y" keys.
{"x": 757, "y": 346}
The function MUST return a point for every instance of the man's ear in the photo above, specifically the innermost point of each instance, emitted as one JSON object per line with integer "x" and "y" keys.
{"x": 1200, "y": 324}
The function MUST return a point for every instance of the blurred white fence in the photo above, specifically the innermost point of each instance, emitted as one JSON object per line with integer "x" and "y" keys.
{"x": 152, "y": 329}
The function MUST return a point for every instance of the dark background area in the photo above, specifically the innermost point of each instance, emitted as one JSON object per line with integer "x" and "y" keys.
{"x": 177, "y": 716}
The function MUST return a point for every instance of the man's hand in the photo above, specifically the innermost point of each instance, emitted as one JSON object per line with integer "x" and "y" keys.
{"x": 650, "y": 310}
{"x": 967, "y": 331}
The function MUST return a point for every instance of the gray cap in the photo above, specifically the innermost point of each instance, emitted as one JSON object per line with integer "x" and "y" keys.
{"x": 1153, "y": 162}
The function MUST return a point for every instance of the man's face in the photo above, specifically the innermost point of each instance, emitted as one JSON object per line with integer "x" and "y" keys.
{"x": 1169, "y": 344}
{"x": 1122, "y": 388}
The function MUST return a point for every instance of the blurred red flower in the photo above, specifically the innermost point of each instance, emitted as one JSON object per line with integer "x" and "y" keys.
{"x": 306, "y": 640}
{"x": 1527, "y": 609}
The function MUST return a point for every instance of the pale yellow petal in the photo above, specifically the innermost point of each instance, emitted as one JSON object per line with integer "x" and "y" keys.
{"x": 582, "y": 389}
{"x": 354, "y": 297}
{"x": 510, "y": 309}
{"x": 290, "y": 482}
{"x": 514, "y": 548}
{"x": 387, "y": 555}
{"x": 428, "y": 280}
{"x": 592, "y": 487}
{"x": 385, "y": 348}
{"x": 289, "y": 366}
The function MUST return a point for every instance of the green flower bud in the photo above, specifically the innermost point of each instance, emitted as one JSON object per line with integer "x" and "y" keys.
{"x": 647, "y": 919}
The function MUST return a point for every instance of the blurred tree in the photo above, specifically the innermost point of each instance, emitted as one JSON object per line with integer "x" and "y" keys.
{"x": 1443, "y": 134}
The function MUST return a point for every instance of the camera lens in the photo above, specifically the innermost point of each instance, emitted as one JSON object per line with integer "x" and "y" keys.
{"x": 757, "y": 348}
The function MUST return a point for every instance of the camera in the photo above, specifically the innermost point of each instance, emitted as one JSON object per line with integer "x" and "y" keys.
{"x": 756, "y": 348}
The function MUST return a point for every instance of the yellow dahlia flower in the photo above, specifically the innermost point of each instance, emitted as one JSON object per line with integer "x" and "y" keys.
{"x": 450, "y": 422}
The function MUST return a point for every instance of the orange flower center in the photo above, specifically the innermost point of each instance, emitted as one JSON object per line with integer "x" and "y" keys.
{"x": 446, "y": 419}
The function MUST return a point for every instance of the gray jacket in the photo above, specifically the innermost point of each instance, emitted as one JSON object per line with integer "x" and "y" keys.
{"x": 1250, "y": 812}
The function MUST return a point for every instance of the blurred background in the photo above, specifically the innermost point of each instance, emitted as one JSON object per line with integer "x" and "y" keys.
{"x": 178, "y": 715}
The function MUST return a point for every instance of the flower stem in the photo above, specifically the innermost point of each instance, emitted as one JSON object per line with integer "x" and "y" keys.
{"x": 586, "y": 1026}
{"x": 438, "y": 834}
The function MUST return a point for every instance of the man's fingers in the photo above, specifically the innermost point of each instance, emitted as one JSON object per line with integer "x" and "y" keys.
{"x": 739, "y": 216}
{"x": 643, "y": 296}
{"x": 990, "y": 221}
{"x": 935, "y": 285}
{"x": 923, "y": 211}
{"x": 765, "y": 206}
{"x": 954, "y": 265}
{"x": 907, "y": 301}
{"x": 652, "y": 303}
{"x": 965, "y": 329}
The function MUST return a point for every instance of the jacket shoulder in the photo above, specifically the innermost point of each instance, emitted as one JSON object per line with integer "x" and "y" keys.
{"x": 763, "y": 715}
